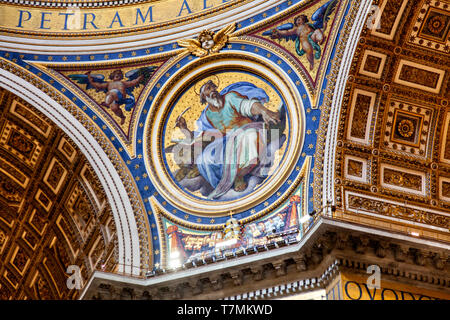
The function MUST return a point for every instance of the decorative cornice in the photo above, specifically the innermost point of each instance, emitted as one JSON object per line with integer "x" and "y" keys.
{"x": 78, "y": 3}
{"x": 295, "y": 287}
{"x": 312, "y": 266}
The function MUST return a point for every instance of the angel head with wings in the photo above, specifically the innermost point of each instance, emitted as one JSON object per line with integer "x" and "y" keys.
{"x": 208, "y": 42}
{"x": 206, "y": 39}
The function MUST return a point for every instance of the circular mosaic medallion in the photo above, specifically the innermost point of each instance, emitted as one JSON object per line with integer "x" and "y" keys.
{"x": 223, "y": 136}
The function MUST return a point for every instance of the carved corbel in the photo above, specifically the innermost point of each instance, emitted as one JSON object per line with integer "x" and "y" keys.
{"x": 280, "y": 267}
{"x": 216, "y": 283}
{"x": 342, "y": 241}
{"x": 361, "y": 244}
{"x": 420, "y": 258}
{"x": 439, "y": 260}
{"x": 116, "y": 293}
{"x": 104, "y": 290}
{"x": 328, "y": 242}
{"x": 237, "y": 277}
{"x": 401, "y": 253}
{"x": 196, "y": 286}
{"x": 300, "y": 262}
{"x": 316, "y": 255}
{"x": 382, "y": 249}
{"x": 258, "y": 272}
{"x": 108, "y": 292}
{"x": 208, "y": 42}
{"x": 127, "y": 294}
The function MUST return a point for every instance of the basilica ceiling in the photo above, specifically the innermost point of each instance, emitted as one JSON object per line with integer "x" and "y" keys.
{"x": 257, "y": 51}
{"x": 131, "y": 83}
{"x": 393, "y": 146}
{"x": 53, "y": 210}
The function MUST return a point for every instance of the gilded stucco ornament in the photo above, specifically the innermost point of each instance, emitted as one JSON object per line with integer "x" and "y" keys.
{"x": 406, "y": 128}
{"x": 208, "y": 42}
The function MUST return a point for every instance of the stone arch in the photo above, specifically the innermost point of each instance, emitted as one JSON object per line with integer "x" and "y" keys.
{"x": 129, "y": 260}
{"x": 332, "y": 125}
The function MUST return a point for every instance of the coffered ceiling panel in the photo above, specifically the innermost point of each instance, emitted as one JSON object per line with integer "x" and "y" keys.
{"x": 53, "y": 211}
{"x": 394, "y": 142}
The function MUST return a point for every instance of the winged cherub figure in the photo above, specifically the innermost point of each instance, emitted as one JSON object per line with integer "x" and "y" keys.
{"x": 208, "y": 42}
{"x": 118, "y": 91}
{"x": 308, "y": 36}
{"x": 206, "y": 39}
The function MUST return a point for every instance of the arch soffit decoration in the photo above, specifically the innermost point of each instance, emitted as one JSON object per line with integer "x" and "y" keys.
{"x": 334, "y": 93}
{"x": 124, "y": 215}
{"x": 54, "y": 212}
{"x": 387, "y": 152}
{"x": 118, "y": 197}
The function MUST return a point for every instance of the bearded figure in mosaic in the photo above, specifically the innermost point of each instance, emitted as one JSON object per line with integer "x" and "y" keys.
{"x": 233, "y": 136}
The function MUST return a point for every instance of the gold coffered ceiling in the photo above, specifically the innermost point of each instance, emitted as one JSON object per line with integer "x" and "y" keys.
{"x": 393, "y": 148}
{"x": 53, "y": 211}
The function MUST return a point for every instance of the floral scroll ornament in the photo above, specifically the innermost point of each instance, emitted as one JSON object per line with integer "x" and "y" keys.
{"x": 436, "y": 24}
{"x": 406, "y": 128}
{"x": 395, "y": 211}
{"x": 208, "y": 42}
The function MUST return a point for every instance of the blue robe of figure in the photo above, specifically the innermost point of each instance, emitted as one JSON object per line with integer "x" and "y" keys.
{"x": 236, "y": 136}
